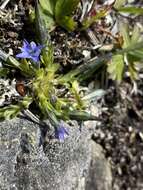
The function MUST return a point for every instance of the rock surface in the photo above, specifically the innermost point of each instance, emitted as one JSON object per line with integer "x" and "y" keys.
{"x": 75, "y": 164}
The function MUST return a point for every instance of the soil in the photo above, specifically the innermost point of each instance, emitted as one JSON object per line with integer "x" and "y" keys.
{"x": 121, "y": 133}
{"x": 121, "y": 137}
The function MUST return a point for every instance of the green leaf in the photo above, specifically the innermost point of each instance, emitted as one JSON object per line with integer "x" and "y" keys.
{"x": 133, "y": 71}
{"x": 132, "y": 10}
{"x": 67, "y": 22}
{"x": 24, "y": 104}
{"x": 9, "y": 112}
{"x": 116, "y": 67}
{"x": 48, "y": 55}
{"x": 124, "y": 30}
{"x": 87, "y": 70}
{"x": 133, "y": 45}
{"x": 138, "y": 54}
{"x": 119, "y": 3}
{"x": 44, "y": 22}
{"x": 63, "y": 13}
{"x": 3, "y": 72}
{"x": 47, "y": 109}
{"x": 130, "y": 38}
{"x": 87, "y": 22}
{"x": 84, "y": 71}
{"x": 65, "y": 7}
{"x": 133, "y": 57}
{"x": 136, "y": 35}
{"x": 95, "y": 95}
{"x": 81, "y": 116}
{"x": 75, "y": 90}
{"x": 48, "y": 6}
{"x": 131, "y": 48}
{"x": 12, "y": 111}
{"x": 50, "y": 11}
{"x": 10, "y": 61}
{"x": 27, "y": 68}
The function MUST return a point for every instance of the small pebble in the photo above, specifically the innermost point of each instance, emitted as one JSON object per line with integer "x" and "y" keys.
{"x": 87, "y": 54}
{"x": 130, "y": 129}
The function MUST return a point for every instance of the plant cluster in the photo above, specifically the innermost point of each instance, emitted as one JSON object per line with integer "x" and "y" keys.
{"x": 59, "y": 96}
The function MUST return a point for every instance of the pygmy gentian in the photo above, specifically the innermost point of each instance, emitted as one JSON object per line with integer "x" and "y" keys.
{"x": 30, "y": 50}
{"x": 61, "y": 132}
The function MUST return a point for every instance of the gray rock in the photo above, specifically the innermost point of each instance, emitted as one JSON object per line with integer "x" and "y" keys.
{"x": 75, "y": 164}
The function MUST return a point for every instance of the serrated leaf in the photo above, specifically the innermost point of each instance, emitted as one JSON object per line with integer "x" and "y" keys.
{"x": 116, "y": 68}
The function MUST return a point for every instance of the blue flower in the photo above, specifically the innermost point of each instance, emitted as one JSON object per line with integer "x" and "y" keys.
{"x": 30, "y": 50}
{"x": 61, "y": 132}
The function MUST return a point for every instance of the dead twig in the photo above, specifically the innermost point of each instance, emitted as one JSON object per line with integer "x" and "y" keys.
{"x": 4, "y": 4}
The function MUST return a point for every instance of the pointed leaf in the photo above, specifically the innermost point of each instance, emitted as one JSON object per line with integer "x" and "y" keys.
{"x": 133, "y": 71}
{"x": 82, "y": 116}
{"x": 63, "y": 13}
{"x": 136, "y": 35}
{"x": 95, "y": 95}
{"x": 132, "y": 10}
{"x": 124, "y": 29}
{"x": 137, "y": 54}
{"x": 48, "y": 6}
{"x": 87, "y": 22}
{"x": 67, "y": 22}
{"x": 65, "y": 7}
{"x": 44, "y": 23}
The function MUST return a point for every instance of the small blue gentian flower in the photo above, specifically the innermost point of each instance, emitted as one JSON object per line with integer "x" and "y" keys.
{"x": 61, "y": 132}
{"x": 30, "y": 50}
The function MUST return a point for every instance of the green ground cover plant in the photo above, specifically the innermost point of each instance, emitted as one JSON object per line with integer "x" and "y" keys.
{"x": 58, "y": 95}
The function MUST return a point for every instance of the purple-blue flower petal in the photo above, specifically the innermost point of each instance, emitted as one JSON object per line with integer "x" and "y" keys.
{"x": 34, "y": 58}
{"x": 33, "y": 46}
{"x": 23, "y": 55}
{"x": 30, "y": 50}
{"x": 40, "y": 47}
{"x": 61, "y": 132}
{"x": 26, "y": 45}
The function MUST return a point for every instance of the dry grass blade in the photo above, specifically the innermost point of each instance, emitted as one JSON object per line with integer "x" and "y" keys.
{"x": 4, "y": 4}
